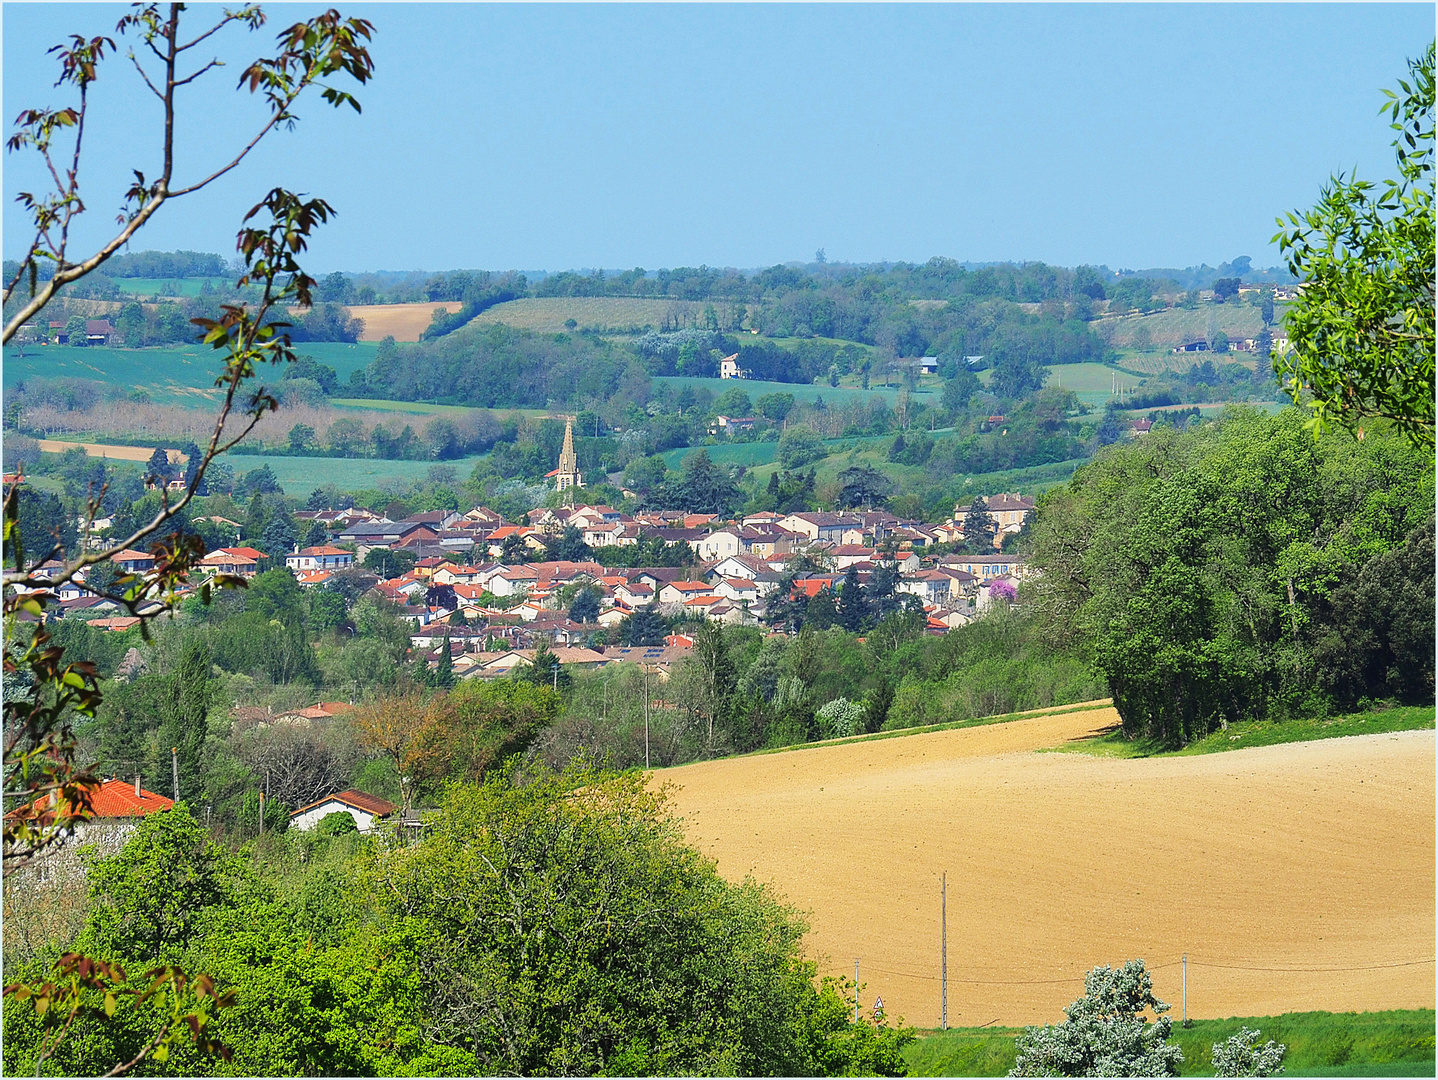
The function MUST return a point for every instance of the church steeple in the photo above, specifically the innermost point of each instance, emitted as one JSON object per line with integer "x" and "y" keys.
{"x": 567, "y": 475}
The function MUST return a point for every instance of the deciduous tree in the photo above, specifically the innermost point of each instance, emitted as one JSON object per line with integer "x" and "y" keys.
{"x": 1362, "y": 329}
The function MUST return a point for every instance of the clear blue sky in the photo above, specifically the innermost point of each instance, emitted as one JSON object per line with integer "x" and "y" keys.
{"x": 557, "y": 136}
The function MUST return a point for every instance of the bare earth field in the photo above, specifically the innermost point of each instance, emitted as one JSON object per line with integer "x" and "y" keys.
{"x": 1295, "y": 877}
{"x": 405, "y": 321}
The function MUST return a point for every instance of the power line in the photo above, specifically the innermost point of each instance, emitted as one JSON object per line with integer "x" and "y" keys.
{"x": 1154, "y": 967}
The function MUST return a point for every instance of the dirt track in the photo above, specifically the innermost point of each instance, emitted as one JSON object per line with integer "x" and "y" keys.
{"x": 1308, "y": 855}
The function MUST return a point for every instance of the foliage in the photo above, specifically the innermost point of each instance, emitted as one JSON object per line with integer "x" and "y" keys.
{"x": 840, "y": 718}
{"x": 152, "y": 894}
{"x": 1106, "y": 1033}
{"x": 589, "y": 939}
{"x": 1362, "y": 330}
{"x": 1203, "y": 573}
{"x": 1239, "y": 1056}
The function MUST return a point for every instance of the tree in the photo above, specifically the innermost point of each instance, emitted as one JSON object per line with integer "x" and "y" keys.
{"x": 719, "y": 677}
{"x": 544, "y": 669}
{"x": 853, "y": 605}
{"x": 1265, "y": 310}
{"x": 155, "y": 890}
{"x": 40, "y": 747}
{"x": 1218, "y": 342}
{"x": 776, "y": 406}
{"x": 278, "y": 538}
{"x": 691, "y": 974}
{"x": 301, "y": 436}
{"x": 444, "y": 669}
{"x": 186, "y": 719}
{"x": 864, "y": 485}
{"x": 1362, "y": 329}
{"x": 585, "y": 608}
{"x": 569, "y": 546}
{"x": 1106, "y": 1033}
{"x": 840, "y": 718}
{"x": 388, "y": 564}
{"x": 1225, "y": 287}
{"x": 1238, "y": 1056}
{"x": 645, "y": 627}
{"x": 958, "y": 390}
{"x": 979, "y": 527}
{"x": 798, "y": 446}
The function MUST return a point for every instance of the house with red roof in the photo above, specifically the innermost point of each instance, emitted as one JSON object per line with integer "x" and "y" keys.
{"x": 116, "y": 807}
{"x": 366, "y": 810}
{"x": 240, "y": 561}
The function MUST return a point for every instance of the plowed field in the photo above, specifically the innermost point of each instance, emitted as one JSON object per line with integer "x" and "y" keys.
{"x": 405, "y": 321}
{"x": 1295, "y": 877}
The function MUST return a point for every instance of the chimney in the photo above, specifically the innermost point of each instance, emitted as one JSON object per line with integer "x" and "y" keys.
{"x": 137, "y": 785}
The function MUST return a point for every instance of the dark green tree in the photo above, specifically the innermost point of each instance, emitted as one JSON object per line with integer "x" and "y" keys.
{"x": 186, "y": 719}
{"x": 645, "y": 627}
{"x": 569, "y": 546}
{"x": 852, "y": 608}
{"x": 979, "y": 528}
{"x": 585, "y": 608}
{"x": 864, "y": 485}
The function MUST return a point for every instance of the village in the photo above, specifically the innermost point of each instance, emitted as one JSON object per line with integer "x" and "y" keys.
{"x": 489, "y": 592}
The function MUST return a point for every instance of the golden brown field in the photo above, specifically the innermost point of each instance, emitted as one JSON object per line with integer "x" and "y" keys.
{"x": 1280, "y": 870}
{"x": 405, "y": 321}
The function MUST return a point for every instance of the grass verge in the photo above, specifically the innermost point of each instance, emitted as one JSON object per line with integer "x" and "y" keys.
{"x": 1248, "y": 733}
{"x": 1397, "y": 1042}
{"x": 926, "y": 729}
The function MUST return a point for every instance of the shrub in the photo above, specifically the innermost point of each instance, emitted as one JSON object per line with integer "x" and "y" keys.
{"x": 1238, "y": 1056}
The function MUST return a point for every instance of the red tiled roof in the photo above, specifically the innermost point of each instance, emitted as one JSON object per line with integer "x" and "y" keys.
{"x": 370, "y": 804}
{"x": 112, "y": 799}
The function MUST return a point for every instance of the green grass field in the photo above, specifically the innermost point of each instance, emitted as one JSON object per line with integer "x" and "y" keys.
{"x": 1092, "y": 384}
{"x": 1397, "y": 1042}
{"x": 301, "y": 475}
{"x": 757, "y": 388}
{"x": 612, "y": 313}
{"x": 144, "y": 288}
{"x": 1246, "y": 733}
{"x": 169, "y": 373}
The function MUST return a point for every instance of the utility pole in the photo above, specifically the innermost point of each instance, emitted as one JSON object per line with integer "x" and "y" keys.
{"x": 944, "y": 953}
{"x": 175, "y": 771}
{"x": 1185, "y": 989}
{"x": 644, "y": 674}
{"x": 856, "y": 989}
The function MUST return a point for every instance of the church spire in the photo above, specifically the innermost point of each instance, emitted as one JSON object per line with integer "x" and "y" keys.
{"x": 567, "y": 475}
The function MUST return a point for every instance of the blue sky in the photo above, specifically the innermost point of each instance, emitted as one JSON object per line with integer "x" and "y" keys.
{"x": 559, "y": 136}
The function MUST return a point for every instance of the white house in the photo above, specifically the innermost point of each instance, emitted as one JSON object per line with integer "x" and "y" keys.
{"x": 364, "y": 808}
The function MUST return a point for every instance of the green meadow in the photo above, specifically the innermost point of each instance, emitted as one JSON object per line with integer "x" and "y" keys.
{"x": 757, "y": 388}
{"x": 169, "y": 373}
{"x": 301, "y": 475}
{"x": 1397, "y": 1042}
{"x": 139, "y": 288}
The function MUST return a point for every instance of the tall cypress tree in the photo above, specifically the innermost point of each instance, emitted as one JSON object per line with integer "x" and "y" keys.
{"x": 853, "y": 605}
{"x": 185, "y": 724}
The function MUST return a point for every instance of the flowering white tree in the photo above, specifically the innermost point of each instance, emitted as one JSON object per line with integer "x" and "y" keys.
{"x": 1238, "y": 1055}
{"x": 840, "y": 718}
{"x": 1106, "y": 1033}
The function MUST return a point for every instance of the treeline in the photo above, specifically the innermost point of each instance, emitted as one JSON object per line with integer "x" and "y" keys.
{"x": 1244, "y": 570}
{"x": 496, "y": 366}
